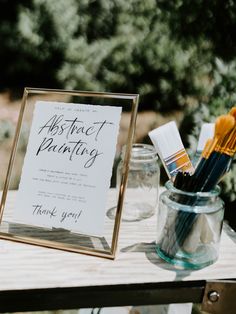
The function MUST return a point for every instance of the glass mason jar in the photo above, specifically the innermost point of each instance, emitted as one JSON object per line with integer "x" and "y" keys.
{"x": 189, "y": 227}
{"x": 141, "y": 195}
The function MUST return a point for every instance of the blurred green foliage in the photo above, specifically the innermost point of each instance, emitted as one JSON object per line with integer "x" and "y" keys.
{"x": 194, "y": 21}
{"x": 175, "y": 54}
{"x": 31, "y": 50}
{"x": 119, "y": 46}
{"x": 163, "y": 50}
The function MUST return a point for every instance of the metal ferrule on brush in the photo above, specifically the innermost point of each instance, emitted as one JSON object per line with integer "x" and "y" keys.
{"x": 169, "y": 146}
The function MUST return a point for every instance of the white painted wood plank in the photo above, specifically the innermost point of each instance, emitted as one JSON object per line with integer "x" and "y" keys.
{"x": 24, "y": 266}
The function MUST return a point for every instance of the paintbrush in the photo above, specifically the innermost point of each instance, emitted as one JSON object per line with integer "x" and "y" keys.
{"x": 204, "y": 179}
{"x": 223, "y": 125}
{"x": 220, "y": 157}
{"x": 167, "y": 141}
{"x": 206, "y": 133}
{"x": 223, "y": 156}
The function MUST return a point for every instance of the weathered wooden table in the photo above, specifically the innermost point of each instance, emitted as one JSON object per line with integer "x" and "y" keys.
{"x": 37, "y": 278}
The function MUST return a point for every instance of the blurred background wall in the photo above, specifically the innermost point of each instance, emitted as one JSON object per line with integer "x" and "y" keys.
{"x": 180, "y": 56}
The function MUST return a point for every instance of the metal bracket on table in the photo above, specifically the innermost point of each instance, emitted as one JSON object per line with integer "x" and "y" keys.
{"x": 220, "y": 297}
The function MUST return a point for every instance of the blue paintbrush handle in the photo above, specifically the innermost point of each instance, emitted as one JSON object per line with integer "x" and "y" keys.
{"x": 216, "y": 173}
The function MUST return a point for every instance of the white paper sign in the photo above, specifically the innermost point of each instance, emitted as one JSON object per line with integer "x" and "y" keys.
{"x": 68, "y": 165}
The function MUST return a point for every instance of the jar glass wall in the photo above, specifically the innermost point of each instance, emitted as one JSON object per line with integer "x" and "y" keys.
{"x": 141, "y": 194}
{"x": 189, "y": 227}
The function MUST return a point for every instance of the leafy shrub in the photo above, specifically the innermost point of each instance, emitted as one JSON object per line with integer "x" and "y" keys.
{"x": 194, "y": 21}
{"x": 119, "y": 46}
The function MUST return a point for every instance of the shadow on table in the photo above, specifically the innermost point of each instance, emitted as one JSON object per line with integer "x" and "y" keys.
{"x": 229, "y": 231}
{"x": 149, "y": 250}
{"x": 57, "y": 235}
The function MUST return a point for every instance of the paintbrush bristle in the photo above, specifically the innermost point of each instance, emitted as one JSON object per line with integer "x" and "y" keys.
{"x": 229, "y": 144}
{"x": 207, "y": 148}
{"x": 207, "y": 132}
{"x": 223, "y": 125}
{"x": 233, "y": 112}
{"x": 170, "y": 148}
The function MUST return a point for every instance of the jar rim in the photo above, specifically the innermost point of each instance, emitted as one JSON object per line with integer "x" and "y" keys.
{"x": 213, "y": 193}
{"x": 142, "y": 151}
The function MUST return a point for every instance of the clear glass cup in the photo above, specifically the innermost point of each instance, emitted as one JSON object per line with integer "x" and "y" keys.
{"x": 141, "y": 195}
{"x": 189, "y": 227}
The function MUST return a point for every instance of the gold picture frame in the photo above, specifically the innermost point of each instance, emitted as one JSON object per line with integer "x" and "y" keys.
{"x": 61, "y": 239}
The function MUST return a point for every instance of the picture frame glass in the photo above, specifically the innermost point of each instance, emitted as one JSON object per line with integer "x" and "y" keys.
{"x": 63, "y": 169}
